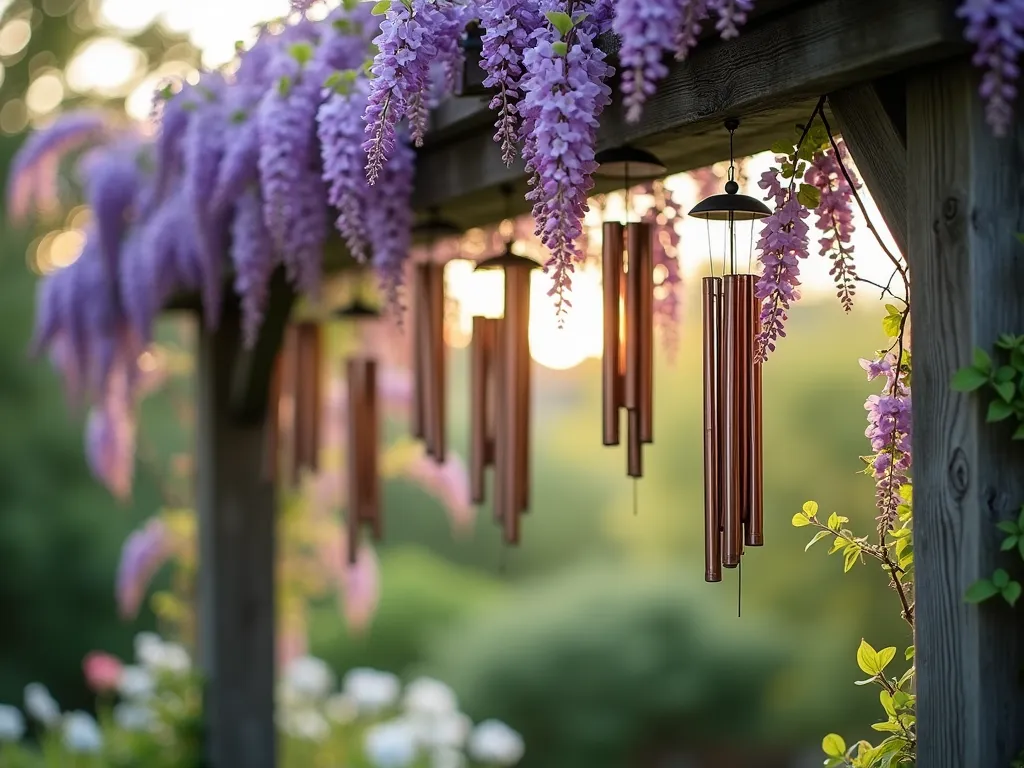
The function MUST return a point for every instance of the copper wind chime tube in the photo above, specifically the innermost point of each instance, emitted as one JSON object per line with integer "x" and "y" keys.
{"x": 733, "y": 455}
{"x": 500, "y": 398}
{"x": 364, "y": 434}
{"x": 429, "y": 360}
{"x": 627, "y": 264}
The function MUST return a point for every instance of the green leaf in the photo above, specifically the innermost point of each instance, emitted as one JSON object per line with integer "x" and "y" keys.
{"x": 833, "y": 745}
{"x": 969, "y": 379}
{"x": 1020, "y": 237}
{"x": 998, "y": 411}
{"x": 560, "y": 21}
{"x": 885, "y": 656}
{"x": 817, "y": 537}
{"x": 1020, "y": 546}
{"x": 1010, "y": 542}
{"x": 1019, "y": 434}
{"x": 982, "y": 361}
{"x": 579, "y": 18}
{"x": 1000, "y": 578}
{"x": 1011, "y": 592}
{"x": 800, "y": 520}
{"x": 381, "y": 8}
{"x": 1006, "y": 390}
{"x": 838, "y": 544}
{"x": 889, "y": 727}
{"x": 891, "y": 325}
{"x": 810, "y": 508}
{"x": 907, "y": 492}
{"x": 909, "y": 653}
{"x": 560, "y": 48}
{"x": 887, "y": 703}
{"x": 809, "y": 196}
{"x": 284, "y": 85}
{"x": 1005, "y": 373}
{"x": 782, "y": 147}
{"x": 833, "y": 522}
{"x": 980, "y": 591}
{"x": 867, "y": 658}
{"x": 301, "y": 52}
{"x": 1009, "y": 526}
{"x": 850, "y": 559}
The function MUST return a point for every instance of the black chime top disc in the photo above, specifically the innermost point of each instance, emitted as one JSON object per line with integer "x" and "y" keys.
{"x": 628, "y": 163}
{"x": 358, "y": 310}
{"x": 719, "y": 208}
{"x": 506, "y": 260}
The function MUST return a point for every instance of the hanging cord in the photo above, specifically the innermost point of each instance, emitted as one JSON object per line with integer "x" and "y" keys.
{"x": 731, "y": 232}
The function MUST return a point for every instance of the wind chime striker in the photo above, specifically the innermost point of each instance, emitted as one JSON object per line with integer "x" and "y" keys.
{"x": 363, "y": 445}
{"x": 429, "y": 413}
{"x": 501, "y": 395}
{"x": 733, "y": 460}
{"x": 627, "y": 265}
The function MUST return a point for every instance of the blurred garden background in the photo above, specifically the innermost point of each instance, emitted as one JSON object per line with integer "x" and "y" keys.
{"x": 598, "y": 639}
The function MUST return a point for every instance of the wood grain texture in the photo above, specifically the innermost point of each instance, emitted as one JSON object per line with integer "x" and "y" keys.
{"x": 965, "y": 202}
{"x": 236, "y": 507}
{"x": 878, "y": 150}
{"x": 770, "y": 77}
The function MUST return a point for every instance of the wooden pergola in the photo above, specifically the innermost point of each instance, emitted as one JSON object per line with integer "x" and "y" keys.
{"x": 903, "y": 93}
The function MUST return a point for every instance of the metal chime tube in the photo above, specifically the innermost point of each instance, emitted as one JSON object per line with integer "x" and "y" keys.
{"x": 481, "y": 456}
{"x": 711, "y": 291}
{"x": 611, "y": 363}
{"x": 525, "y": 370}
{"x": 755, "y": 526}
{"x": 438, "y": 368}
{"x": 307, "y": 395}
{"x": 638, "y": 376}
{"x": 732, "y": 459}
{"x": 364, "y": 491}
{"x": 745, "y": 379}
{"x": 500, "y": 414}
{"x": 640, "y": 239}
{"x": 512, "y": 440}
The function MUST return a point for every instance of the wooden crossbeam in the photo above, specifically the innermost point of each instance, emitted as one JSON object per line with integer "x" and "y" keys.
{"x": 770, "y": 77}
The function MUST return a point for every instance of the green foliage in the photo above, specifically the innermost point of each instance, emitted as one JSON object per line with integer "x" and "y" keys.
{"x": 381, "y": 8}
{"x": 1004, "y": 380}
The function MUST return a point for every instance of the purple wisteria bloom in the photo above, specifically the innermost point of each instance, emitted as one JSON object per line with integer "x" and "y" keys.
{"x": 648, "y": 30}
{"x": 142, "y": 554}
{"x": 890, "y": 430}
{"x": 997, "y": 28}
{"x": 835, "y": 219}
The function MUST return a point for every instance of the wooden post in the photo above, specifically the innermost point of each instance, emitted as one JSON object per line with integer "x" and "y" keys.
{"x": 236, "y": 564}
{"x": 965, "y": 201}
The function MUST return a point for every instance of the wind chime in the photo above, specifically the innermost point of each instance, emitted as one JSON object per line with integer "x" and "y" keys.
{"x": 733, "y": 481}
{"x": 294, "y": 410}
{"x": 500, "y": 397}
{"x": 363, "y": 444}
{"x": 627, "y": 264}
{"x": 429, "y": 413}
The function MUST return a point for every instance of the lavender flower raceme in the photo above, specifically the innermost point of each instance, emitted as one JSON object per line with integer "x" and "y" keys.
{"x": 110, "y": 439}
{"x": 648, "y": 29}
{"x": 783, "y": 243}
{"x": 254, "y": 260}
{"x": 390, "y": 219}
{"x": 564, "y": 97}
{"x": 239, "y": 164}
{"x": 410, "y": 39}
{"x": 732, "y": 14}
{"x": 835, "y": 219}
{"x": 694, "y": 12}
{"x": 142, "y": 554}
{"x": 890, "y": 430}
{"x": 664, "y": 215}
{"x": 32, "y": 179}
{"x": 339, "y": 128}
{"x": 997, "y": 28}
{"x": 508, "y": 25}
{"x": 113, "y": 178}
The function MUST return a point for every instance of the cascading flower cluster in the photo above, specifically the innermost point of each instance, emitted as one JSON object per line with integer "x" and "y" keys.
{"x": 996, "y": 27}
{"x": 565, "y": 93}
{"x": 890, "y": 430}
{"x": 835, "y": 218}
{"x": 782, "y": 245}
{"x": 236, "y": 180}
{"x": 651, "y": 28}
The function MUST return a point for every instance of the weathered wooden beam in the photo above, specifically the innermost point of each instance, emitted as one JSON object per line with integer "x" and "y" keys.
{"x": 965, "y": 202}
{"x": 879, "y": 150}
{"x": 236, "y": 564}
{"x": 770, "y": 77}
{"x": 250, "y": 379}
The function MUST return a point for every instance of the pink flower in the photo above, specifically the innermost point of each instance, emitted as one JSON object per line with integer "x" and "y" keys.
{"x": 449, "y": 484}
{"x": 102, "y": 671}
{"x": 142, "y": 554}
{"x": 361, "y": 589}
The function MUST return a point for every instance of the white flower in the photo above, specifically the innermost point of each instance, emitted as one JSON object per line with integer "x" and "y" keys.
{"x": 306, "y": 724}
{"x": 309, "y": 677}
{"x": 447, "y": 758}
{"x": 132, "y": 717}
{"x": 448, "y": 731}
{"x": 12, "y": 723}
{"x": 41, "y": 705}
{"x": 81, "y": 734}
{"x": 341, "y": 709}
{"x": 148, "y": 649}
{"x": 135, "y": 683}
{"x": 493, "y": 742}
{"x": 391, "y": 745}
{"x": 430, "y": 697}
{"x": 371, "y": 690}
{"x": 173, "y": 658}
